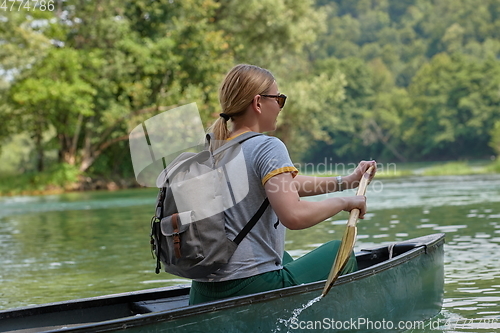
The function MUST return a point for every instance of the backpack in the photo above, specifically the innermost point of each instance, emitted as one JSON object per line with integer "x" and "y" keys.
{"x": 188, "y": 233}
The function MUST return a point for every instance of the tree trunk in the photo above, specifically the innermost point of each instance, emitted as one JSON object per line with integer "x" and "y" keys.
{"x": 86, "y": 163}
{"x": 87, "y": 155}
{"x": 39, "y": 149}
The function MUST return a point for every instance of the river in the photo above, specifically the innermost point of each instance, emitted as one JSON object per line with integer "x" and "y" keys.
{"x": 75, "y": 245}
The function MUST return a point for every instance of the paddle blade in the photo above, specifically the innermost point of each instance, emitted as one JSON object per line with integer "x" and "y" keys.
{"x": 343, "y": 255}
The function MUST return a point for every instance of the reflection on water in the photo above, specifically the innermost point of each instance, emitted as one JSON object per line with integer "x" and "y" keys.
{"x": 72, "y": 201}
{"x": 77, "y": 245}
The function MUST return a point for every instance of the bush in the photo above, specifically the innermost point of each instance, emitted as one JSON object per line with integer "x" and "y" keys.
{"x": 59, "y": 177}
{"x": 450, "y": 168}
{"x": 494, "y": 167}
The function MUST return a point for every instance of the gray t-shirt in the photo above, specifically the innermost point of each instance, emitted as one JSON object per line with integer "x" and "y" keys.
{"x": 262, "y": 249}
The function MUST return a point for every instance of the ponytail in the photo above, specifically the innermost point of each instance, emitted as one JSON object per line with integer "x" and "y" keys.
{"x": 220, "y": 131}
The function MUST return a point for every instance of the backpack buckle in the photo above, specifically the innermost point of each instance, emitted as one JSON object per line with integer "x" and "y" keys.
{"x": 154, "y": 219}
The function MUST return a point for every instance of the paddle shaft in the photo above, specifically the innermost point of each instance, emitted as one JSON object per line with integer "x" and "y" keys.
{"x": 363, "y": 184}
{"x": 349, "y": 237}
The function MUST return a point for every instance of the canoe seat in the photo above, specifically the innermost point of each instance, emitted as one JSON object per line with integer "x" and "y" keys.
{"x": 370, "y": 257}
{"x": 395, "y": 249}
{"x": 161, "y": 304}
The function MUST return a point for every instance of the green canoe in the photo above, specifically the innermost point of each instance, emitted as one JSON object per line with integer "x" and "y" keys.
{"x": 397, "y": 287}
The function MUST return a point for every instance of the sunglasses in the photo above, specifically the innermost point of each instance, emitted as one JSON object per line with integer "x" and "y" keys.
{"x": 281, "y": 99}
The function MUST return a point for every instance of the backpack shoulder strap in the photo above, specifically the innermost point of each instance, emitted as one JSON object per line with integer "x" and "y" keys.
{"x": 250, "y": 224}
{"x": 181, "y": 161}
{"x": 238, "y": 140}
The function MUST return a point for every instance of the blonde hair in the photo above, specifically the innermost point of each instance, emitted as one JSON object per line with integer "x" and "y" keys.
{"x": 236, "y": 92}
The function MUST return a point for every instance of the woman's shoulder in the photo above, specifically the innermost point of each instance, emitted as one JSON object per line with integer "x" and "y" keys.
{"x": 264, "y": 140}
{"x": 264, "y": 146}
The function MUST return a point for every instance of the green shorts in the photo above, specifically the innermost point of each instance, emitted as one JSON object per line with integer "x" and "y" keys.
{"x": 313, "y": 266}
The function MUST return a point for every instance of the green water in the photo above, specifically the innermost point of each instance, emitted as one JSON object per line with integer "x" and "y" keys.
{"x": 60, "y": 247}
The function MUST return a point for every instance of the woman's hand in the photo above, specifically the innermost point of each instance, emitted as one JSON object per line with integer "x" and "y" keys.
{"x": 354, "y": 178}
{"x": 356, "y": 202}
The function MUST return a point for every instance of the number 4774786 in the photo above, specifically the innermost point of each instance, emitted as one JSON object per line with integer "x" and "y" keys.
{"x": 27, "y": 5}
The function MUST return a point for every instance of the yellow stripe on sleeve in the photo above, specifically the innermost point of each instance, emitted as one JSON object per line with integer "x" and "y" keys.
{"x": 237, "y": 135}
{"x": 273, "y": 173}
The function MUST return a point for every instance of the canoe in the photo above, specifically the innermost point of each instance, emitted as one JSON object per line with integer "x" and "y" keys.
{"x": 397, "y": 287}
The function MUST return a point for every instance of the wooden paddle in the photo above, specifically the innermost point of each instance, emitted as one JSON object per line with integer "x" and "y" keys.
{"x": 349, "y": 238}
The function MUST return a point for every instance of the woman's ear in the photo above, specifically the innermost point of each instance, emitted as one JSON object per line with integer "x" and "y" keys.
{"x": 256, "y": 103}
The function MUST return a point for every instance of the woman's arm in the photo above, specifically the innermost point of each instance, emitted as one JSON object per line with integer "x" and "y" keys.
{"x": 309, "y": 185}
{"x": 283, "y": 193}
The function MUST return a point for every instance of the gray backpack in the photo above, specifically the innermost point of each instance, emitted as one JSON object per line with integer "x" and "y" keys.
{"x": 188, "y": 233}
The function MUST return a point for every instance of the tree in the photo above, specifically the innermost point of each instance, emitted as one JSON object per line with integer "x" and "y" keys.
{"x": 23, "y": 43}
{"x": 54, "y": 94}
{"x": 454, "y": 102}
{"x": 262, "y": 32}
{"x": 5, "y": 119}
{"x": 311, "y": 112}
{"x": 398, "y": 79}
{"x": 495, "y": 138}
{"x": 105, "y": 74}
{"x": 386, "y": 107}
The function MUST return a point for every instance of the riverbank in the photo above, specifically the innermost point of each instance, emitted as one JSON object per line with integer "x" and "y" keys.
{"x": 59, "y": 179}
{"x": 452, "y": 168}
{"x": 65, "y": 178}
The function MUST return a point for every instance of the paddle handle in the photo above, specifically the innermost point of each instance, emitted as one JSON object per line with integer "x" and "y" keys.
{"x": 363, "y": 184}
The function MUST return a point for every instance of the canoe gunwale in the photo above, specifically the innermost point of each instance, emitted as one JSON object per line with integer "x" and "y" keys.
{"x": 84, "y": 303}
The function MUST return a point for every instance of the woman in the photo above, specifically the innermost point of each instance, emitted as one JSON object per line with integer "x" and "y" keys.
{"x": 251, "y": 101}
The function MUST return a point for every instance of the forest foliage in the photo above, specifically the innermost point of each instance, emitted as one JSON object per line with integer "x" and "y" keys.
{"x": 394, "y": 80}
